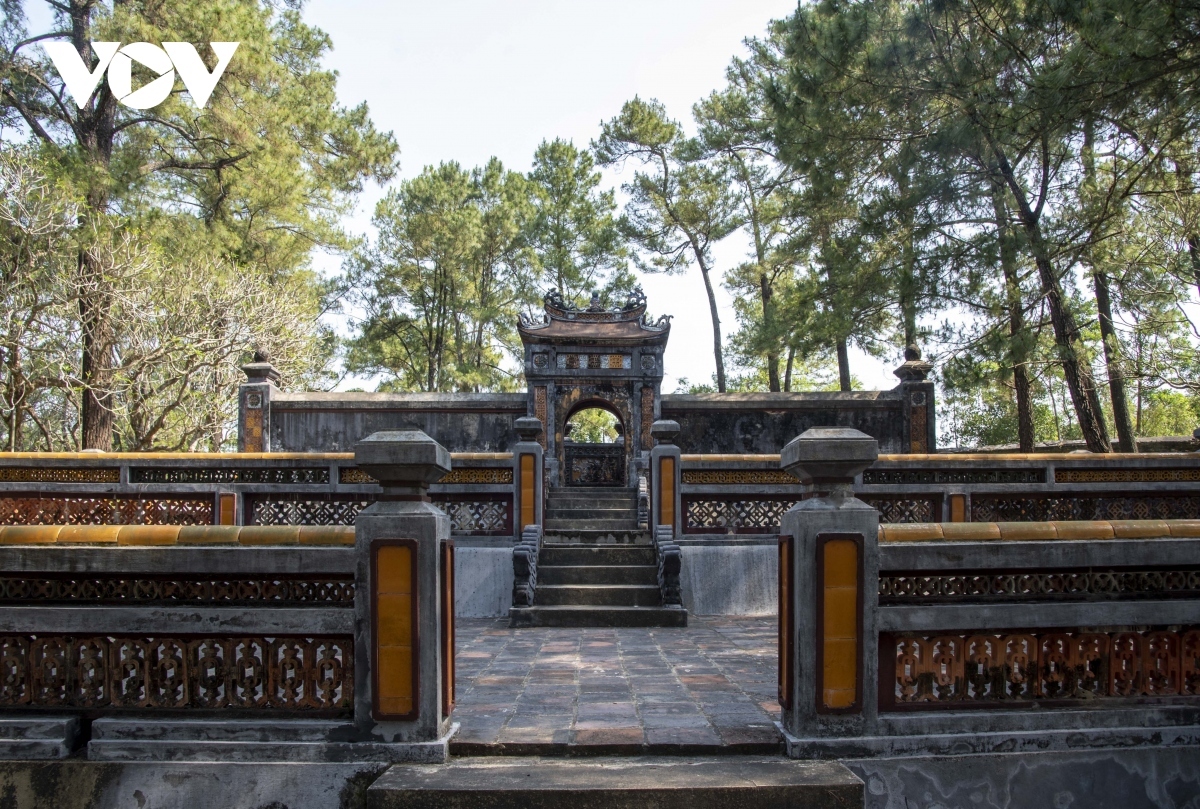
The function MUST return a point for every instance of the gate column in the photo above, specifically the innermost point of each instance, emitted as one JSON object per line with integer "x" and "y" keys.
{"x": 828, "y": 591}
{"x": 404, "y": 600}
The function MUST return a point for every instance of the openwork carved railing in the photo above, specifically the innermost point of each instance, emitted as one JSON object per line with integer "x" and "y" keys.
{"x": 245, "y": 674}
{"x": 746, "y": 494}
{"x": 595, "y": 464}
{"x": 123, "y": 588}
{"x": 1008, "y": 670}
{"x": 1059, "y": 584}
{"x": 311, "y": 489}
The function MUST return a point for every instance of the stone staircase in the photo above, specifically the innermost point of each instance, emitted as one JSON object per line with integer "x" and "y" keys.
{"x": 592, "y": 514}
{"x": 595, "y": 568}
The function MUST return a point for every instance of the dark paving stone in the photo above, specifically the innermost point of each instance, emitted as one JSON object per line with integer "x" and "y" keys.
{"x": 707, "y": 688}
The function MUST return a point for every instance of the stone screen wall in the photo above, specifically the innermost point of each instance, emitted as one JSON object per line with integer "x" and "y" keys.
{"x": 331, "y": 422}
{"x": 761, "y": 423}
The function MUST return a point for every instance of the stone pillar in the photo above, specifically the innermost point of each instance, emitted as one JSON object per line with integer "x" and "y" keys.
{"x": 666, "y": 477}
{"x": 403, "y": 602}
{"x": 254, "y": 404}
{"x": 829, "y": 569}
{"x": 528, "y": 476}
{"x": 920, "y": 426}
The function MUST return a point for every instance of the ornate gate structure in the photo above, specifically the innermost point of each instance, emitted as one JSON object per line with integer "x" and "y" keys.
{"x": 595, "y": 357}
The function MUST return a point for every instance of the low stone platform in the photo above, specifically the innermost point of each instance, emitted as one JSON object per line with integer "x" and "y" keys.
{"x": 705, "y": 689}
{"x": 664, "y": 783}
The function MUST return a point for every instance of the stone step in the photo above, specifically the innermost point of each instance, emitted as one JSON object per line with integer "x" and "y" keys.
{"x": 619, "y": 783}
{"x": 621, "y": 524}
{"x": 590, "y": 503}
{"x": 598, "y": 574}
{"x": 597, "y": 595}
{"x": 37, "y": 737}
{"x": 573, "y": 536}
{"x": 628, "y": 491}
{"x": 604, "y": 555}
{"x": 597, "y": 617}
{"x": 623, "y": 513}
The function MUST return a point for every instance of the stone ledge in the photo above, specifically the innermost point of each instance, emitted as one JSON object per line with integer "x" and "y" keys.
{"x": 166, "y": 740}
{"x": 1035, "y": 531}
{"x": 960, "y": 744}
{"x": 666, "y": 783}
{"x": 38, "y": 737}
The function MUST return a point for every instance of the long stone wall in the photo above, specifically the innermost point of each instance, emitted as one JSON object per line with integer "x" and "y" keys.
{"x": 755, "y": 423}
{"x": 483, "y": 422}
{"x": 333, "y": 422}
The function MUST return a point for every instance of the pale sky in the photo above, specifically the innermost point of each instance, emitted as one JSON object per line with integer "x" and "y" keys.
{"x": 465, "y": 80}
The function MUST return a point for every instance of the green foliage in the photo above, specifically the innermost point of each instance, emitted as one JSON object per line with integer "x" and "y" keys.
{"x": 572, "y": 230}
{"x": 265, "y": 171}
{"x": 443, "y": 283}
{"x": 678, "y": 204}
{"x": 593, "y": 425}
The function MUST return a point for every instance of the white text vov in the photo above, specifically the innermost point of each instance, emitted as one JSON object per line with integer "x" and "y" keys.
{"x": 118, "y": 61}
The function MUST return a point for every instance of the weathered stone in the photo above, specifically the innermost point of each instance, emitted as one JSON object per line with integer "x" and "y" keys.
{"x": 670, "y": 783}
{"x": 829, "y": 454}
{"x": 402, "y": 458}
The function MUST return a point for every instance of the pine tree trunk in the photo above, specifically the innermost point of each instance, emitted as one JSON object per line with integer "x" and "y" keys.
{"x": 1112, "y": 359}
{"x": 95, "y": 134}
{"x": 787, "y": 374}
{"x": 716, "y": 321}
{"x": 1076, "y": 372}
{"x": 843, "y": 358}
{"x": 1017, "y": 336}
{"x": 768, "y": 322}
{"x": 1108, "y": 334}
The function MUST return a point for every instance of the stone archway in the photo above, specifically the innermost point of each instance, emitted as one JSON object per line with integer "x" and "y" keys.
{"x": 611, "y": 357}
{"x": 595, "y": 464}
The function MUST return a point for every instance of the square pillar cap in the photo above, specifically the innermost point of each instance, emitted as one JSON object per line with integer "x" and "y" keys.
{"x": 829, "y": 454}
{"x": 402, "y": 458}
{"x": 528, "y": 428}
{"x": 665, "y": 431}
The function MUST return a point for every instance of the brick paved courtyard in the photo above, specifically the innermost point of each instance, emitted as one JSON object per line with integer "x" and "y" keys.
{"x": 544, "y": 691}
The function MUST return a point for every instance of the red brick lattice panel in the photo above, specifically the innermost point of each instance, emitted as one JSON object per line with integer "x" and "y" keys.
{"x": 901, "y": 588}
{"x": 39, "y": 588}
{"x": 1012, "y": 670}
{"x": 236, "y": 674}
{"x": 478, "y": 515}
{"x": 734, "y": 515}
{"x": 1083, "y": 506}
{"x": 31, "y": 509}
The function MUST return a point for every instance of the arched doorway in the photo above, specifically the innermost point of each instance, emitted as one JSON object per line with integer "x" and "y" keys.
{"x": 595, "y": 445}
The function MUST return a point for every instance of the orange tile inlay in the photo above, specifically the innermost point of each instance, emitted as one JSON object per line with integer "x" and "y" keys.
{"x": 228, "y": 508}
{"x": 528, "y": 492}
{"x": 958, "y": 508}
{"x": 839, "y": 638}
{"x": 666, "y": 498}
{"x": 395, "y": 631}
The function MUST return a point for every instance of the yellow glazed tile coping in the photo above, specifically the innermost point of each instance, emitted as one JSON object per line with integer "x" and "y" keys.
{"x": 1026, "y": 531}
{"x": 952, "y": 531}
{"x": 151, "y": 535}
{"x": 327, "y": 535}
{"x": 1140, "y": 529}
{"x": 911, "y": 532}
{"x": 89, "y": 534}
{"x": 29, "y": 534}
{"x": 1083, "y": 529}
{"x": 269, "y": 535}
{"x": 1038, "y": 531}
{"x": 1184, "y": 528}
{"x": 148, "y": 535}
{"x": 209, "y": 534}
